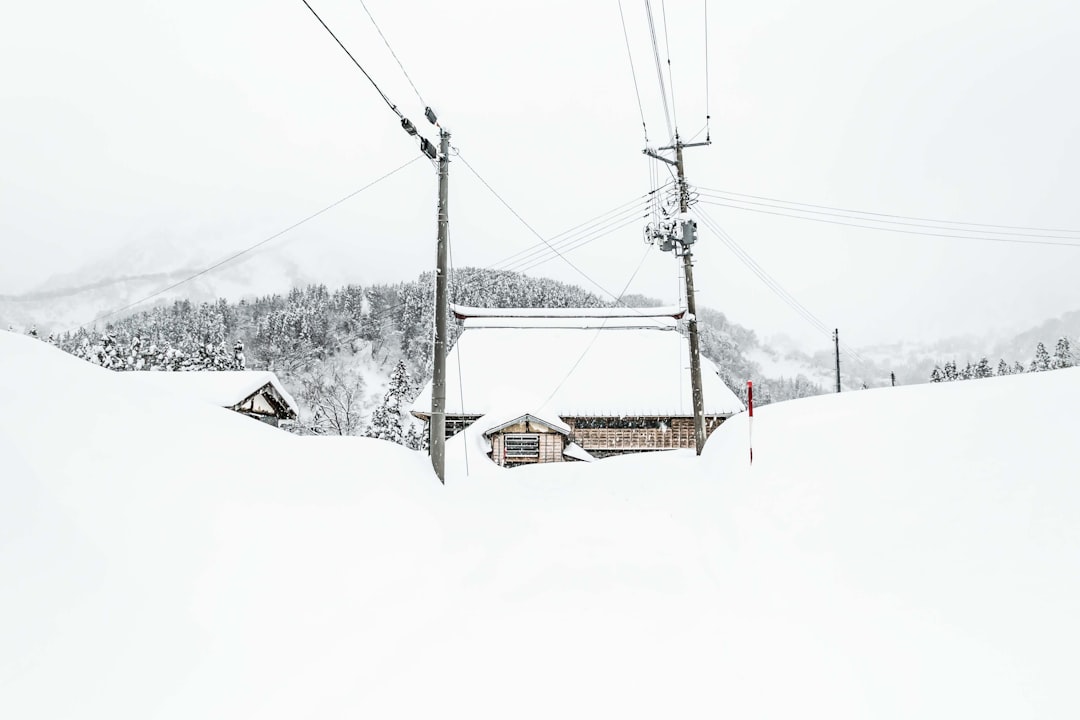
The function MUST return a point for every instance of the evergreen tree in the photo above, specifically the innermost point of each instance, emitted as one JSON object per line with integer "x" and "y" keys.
{"x": 415, "y": 438}
{"x": 238, "y": 360}
{"x": 1003, "y": 368}
{"x": 1041, "y": 362}
{"x": 1018, "y": 369}
{"x": 983, "y": 369}
{"x": 950, "y": 371}
{"x": 387, "y": 422}
{"x": 1062, "y": 354}
{"x": 937, "y": 376}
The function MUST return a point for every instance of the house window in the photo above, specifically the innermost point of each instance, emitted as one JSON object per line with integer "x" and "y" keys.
{"x": 521, "y": 445}
{"x": 454, "y": 425}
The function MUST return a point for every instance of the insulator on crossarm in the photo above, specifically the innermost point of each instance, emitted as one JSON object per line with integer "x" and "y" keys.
{"x": 409, "y": 127}
{"x": 430, "y": 115}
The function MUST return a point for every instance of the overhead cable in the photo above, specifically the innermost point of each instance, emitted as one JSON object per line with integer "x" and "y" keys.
{"x": 633, "y": 73}
{"x": 248, "y": 249}
{"x": 590, "y": 222}
{"x": 770, "y": 282}
{"x": 596, "y": 335}
{"x": 671, "y": 77}
{"x": 531, "y": 229}
{"x": 356, "y": 62}
{"x": 889, "y": 215}
{"x": 387, "y": 43}
{"x": 659, "y": 69}
{"x": 885, "y": 228}
{"x": 634, "y": 213}
{"x": 583, "y": 241}
{"x": 707, "y": 115}
{"x": 426, "y": 146}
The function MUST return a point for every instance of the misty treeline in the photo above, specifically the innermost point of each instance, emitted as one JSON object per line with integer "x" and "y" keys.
{"x": 1042, "y": 361}
{"x": 328, "y": 346}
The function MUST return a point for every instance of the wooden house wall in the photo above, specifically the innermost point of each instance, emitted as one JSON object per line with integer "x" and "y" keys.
{"x": 551, "y": 447}
{"x": 677, "y": 433}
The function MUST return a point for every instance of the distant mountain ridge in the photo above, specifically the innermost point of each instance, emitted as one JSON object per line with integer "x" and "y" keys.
{"x": 60, "y": 292}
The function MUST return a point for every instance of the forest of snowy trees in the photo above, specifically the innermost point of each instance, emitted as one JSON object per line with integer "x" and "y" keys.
{"x": 355, "y": 357}
{"x": 1043, "y": 360}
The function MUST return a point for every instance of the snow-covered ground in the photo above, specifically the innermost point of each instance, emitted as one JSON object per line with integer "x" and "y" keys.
{"x": 894, "y": 553}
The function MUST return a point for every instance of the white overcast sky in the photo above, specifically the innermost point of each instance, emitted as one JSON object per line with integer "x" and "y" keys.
{"x": 214, "y": 124}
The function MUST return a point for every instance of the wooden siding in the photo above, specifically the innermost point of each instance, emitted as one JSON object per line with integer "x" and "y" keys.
{"x": 608, "y": 438}
{"x": 551, "y": 447}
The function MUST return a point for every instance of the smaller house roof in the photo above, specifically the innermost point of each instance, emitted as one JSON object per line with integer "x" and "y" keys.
{"x": 224, "y": 388}
{"x": 494, "y": 422}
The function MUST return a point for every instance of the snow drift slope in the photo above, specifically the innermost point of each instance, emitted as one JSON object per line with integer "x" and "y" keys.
{"x": 939, "y": 521}
{"x": 161, "y": 559}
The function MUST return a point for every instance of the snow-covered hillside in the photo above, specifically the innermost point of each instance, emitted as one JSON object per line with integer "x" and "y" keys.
{"x": 892, "y": 553}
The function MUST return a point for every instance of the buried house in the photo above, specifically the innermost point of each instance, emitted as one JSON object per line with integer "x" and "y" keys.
{"x": 568, "y": 384}
{"x": 255, "y": 393}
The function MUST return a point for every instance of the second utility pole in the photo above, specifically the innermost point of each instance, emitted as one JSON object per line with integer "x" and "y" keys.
{"x": 437, "y": 438}
{"x": 836, "y": 342}
{"x": 691, "y": 307}
{"x": 687, "y": 238}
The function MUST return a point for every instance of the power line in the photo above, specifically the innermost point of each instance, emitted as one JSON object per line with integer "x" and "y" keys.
{"x": 426, "y": 146}
{"x": 633, "y": 73}
{"x": 246, "y": 250}
{"x": 770, "y": 282}
{"x": 659, "y": 68}
{"x": 586, "y": 240}
{"x": 387, "y": 43}
{"x": 616, "y": 210}
{"x": 849, "y": 214}
{"x": 542, "y": 254}
{"x": 375, "y": 85}
{"x": 671, "y": 77}
{"x": 531, "y": 229}
{"x": 596, "y": 335}
{"x": 457, "y": 348}
{"x": 761, "y": 273}
{"x": 888, "y": 215}
{"x": 707, "y": 115}
{"x": 1017, "y": 241}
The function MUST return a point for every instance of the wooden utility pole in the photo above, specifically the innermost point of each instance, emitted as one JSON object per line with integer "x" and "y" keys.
{"x": 687, "y": 238}
{"x": 437, "y": 428}
{"x": 836, "y": 342}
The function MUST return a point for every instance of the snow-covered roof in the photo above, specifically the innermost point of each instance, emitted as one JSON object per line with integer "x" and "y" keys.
{"x": 569, "y": 371}
{"x": 575, "y": 451}
{"x": 496, "y": 421}
{"x": 224, "y": 388}
{"x": 464, "y": 311}
{"x": 646, "y": 322}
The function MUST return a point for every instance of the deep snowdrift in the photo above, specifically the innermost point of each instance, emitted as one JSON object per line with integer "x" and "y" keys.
{"x": 906, "y": 552}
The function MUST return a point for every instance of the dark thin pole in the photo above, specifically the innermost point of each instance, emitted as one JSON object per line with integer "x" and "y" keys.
{"x": 836, "y": 341}
{"x": 691, "y": 307}
{"x": 437, "y": 439}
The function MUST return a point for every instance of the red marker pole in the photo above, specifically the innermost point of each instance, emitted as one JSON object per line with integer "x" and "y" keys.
{"x": 750, "y": 423}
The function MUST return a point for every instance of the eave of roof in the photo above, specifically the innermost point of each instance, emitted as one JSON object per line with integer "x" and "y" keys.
{"x": 558, "y": 425}
{"x": 461, "y": 312}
